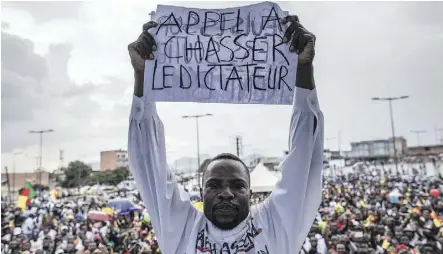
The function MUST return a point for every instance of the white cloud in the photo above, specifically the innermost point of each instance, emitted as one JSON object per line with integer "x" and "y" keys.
{"x": 363, "y": 50}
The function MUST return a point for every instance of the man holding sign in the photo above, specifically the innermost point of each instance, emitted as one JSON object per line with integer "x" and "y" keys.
{"x": 280, "y": 224}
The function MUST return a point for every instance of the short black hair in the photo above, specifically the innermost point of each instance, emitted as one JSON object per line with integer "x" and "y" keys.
{"x": 227, "y": 156}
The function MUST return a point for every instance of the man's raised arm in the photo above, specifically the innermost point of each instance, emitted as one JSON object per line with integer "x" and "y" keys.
{"x": 294, "y": 202}
{"x": 169, "y": 207}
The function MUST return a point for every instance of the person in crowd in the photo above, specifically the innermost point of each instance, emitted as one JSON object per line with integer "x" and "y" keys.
{"x": 360, "y": 212}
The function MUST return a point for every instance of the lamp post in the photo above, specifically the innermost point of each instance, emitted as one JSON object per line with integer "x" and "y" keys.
{"x": 390, "y": 99}
{"x": 418, "y": 133}
{"x": 198, "y": 142}
{"x": 40, "y": 132}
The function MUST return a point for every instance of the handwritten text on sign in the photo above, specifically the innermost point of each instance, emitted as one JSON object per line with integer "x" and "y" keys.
{"x": 233, "y": 55}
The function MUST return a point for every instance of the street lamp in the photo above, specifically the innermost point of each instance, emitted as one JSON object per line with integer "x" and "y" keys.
{"x": 418, "y": 136}
{"x": 390, "y": 99}
{"x": 198, "y": 143}
{"x": 41, "y": 132}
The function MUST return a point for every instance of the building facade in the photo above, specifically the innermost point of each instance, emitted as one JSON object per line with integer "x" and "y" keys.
{"x": 18, "y": 181}
{"x": 380, "y": 149}
{"x": 430, "y": 150}
{"x": 110, "y": 160}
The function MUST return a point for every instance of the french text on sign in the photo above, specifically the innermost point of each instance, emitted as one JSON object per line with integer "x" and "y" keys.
{"x": 233, "y": 55}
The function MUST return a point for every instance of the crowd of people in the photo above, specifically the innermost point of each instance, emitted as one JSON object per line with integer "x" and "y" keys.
{"x": 65, "y": 226}
{"x": 379, "y": 212}
{"x": 376, "y": 212}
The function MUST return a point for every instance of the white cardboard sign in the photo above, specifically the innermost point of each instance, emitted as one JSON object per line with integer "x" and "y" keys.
{"x": 233, "y": 55}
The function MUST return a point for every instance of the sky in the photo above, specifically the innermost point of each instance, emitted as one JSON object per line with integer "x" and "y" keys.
{"x": 65, "y": 67}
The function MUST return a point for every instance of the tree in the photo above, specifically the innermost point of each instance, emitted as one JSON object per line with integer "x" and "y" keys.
{"x": 111, "y": 177}
{"x": 76, "y": 174}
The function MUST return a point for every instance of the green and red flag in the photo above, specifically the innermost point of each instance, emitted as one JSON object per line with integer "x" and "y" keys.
{"x": 28, "y": 190}
{"x": 26, "y": 195}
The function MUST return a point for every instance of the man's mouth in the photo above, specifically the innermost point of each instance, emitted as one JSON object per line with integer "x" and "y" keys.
{"x": 226, "y": 208}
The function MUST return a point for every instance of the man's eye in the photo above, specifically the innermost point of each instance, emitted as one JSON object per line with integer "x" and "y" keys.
{"x": 239, "y": 185}
{"x": 212, "y": 185}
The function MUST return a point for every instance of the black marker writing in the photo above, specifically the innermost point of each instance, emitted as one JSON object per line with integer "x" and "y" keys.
{"x": 236, "y": 55}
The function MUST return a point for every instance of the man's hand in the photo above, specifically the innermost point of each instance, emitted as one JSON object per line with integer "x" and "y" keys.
{"x": 302, "y": 42}
{"x": 141, "y": 50}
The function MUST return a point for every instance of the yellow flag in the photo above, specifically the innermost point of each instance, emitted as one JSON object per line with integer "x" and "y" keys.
{"x": 21, "y": 202}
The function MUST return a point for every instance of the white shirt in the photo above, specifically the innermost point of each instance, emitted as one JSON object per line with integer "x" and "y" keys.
{"x": 36, "y": 245}
{"x": 28, "y": 226}
{"x": 277, "y": 225}
{"x": 322, "y": 248}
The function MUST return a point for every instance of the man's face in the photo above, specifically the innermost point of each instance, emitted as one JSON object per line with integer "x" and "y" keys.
{"x": 226, "y": 193}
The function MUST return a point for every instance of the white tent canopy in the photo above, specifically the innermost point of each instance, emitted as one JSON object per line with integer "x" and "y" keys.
{"x": 262, "y": 180}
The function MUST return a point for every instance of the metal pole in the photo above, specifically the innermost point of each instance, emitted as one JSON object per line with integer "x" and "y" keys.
{"x": 339, "y": 144}
{"x": 41, "y": 159}
{"x": 39, "y": 170}
{"x": 440, "y": 130}
{"x": 390, "y": 99}
{"x": 393, "y": 135}
{"x": 13, "y": 174}
{"x": 198, "y": 143}
{"x": 198, "y": 153}
{"x": 9, "y": 184}
{"x": 418, "y": 133}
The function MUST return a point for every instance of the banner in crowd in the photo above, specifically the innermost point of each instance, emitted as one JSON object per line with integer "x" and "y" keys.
{"x": 233, "y": 55}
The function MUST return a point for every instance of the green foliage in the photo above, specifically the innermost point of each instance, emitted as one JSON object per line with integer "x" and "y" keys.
{"x": 111, "y": 177}
{"x": 76, "y": 174}
{"x": 79, "y": 174}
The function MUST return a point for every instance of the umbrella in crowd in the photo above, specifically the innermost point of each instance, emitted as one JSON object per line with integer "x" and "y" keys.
{"x": 124, "y": 206}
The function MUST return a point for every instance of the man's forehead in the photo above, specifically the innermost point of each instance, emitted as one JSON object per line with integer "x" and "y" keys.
{"x": 225, "y": 168}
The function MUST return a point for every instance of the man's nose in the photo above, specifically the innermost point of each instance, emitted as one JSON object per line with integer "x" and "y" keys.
{"x": 226, "y": 194}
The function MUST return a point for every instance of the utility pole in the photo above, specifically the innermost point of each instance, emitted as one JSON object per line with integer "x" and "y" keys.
{"x": 39, "y": 170}
{"x": 61, "y": 152}
{"x": 339, "y": 144}
{"x": 198, "y": 143}
{"x": 9, "y": 184}
{"x": 390, "y": 99}
{"x": 418, "y": 136}
{"x": 238, "y": 142}
{"x": 440, "y": 131}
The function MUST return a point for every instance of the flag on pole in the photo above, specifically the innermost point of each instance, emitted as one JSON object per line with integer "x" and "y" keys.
{"x": 28, "y": 190}
{"x": 26, "y": 195}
